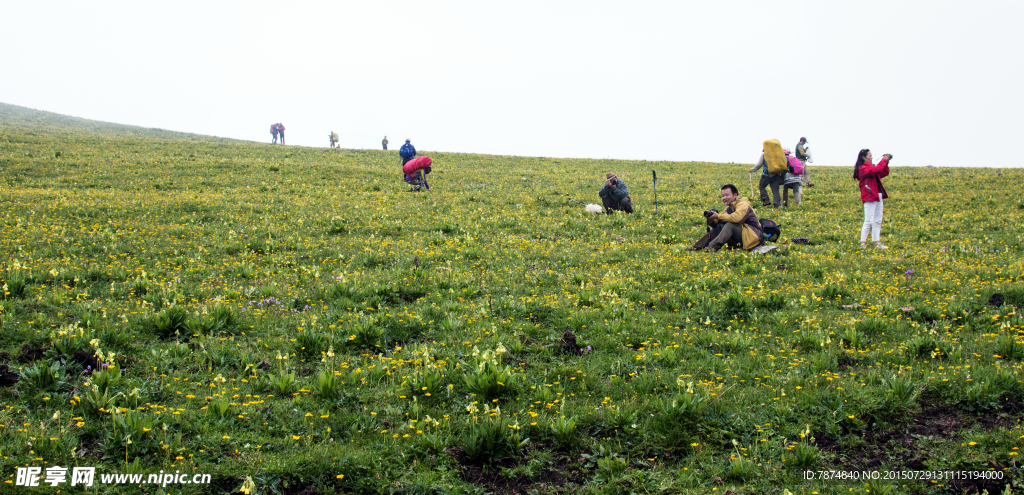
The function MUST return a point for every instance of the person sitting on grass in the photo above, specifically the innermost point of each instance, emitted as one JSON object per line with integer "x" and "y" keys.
{"x": 740, "y": 226}
{"x": 614, "y": 195}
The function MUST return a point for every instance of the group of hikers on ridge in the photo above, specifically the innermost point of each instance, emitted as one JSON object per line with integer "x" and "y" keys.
{"x": 791, "y": 178}
{"x": 277, "y": 130}
{"x": 738, "y": 226}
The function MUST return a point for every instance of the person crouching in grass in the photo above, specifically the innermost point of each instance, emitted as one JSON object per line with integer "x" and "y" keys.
{"x": 614, "y": 195}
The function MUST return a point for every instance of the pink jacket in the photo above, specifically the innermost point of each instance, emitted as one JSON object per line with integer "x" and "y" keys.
{"x": 870, "y": 177}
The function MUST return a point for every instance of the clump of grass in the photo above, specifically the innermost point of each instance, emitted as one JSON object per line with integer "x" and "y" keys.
{"x": 14, "y": 287}
{"x": 172, "y": 323}
{"x": 834, "y": 292}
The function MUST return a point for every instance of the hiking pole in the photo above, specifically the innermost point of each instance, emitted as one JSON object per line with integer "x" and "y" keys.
{"x": 751, "y": 178}
{"x": 654, "y": 176}
{"x": 577, "y": 202}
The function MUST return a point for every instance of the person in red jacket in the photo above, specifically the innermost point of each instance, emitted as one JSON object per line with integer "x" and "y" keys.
{"x": 871, "y": 193}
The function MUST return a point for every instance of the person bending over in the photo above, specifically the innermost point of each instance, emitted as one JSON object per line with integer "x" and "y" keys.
{"x": 614, "y": 195}
{"x": 740, "y": 226}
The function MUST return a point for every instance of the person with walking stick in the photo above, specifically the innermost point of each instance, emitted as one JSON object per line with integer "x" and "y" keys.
{"x": 773, "y": 180}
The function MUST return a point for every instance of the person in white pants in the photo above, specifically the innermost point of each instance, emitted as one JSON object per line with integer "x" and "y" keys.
{"x": 872, "y": 192}
{"x": 872, "y": 223}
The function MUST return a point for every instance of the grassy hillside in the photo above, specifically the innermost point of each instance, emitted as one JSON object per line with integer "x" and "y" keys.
{"x": 293, "y": 318}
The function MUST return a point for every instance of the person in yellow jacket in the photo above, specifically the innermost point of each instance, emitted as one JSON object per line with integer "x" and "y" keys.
{"x": 740, "y": 224}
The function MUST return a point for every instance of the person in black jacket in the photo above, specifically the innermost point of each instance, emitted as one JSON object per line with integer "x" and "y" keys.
{"x": 614, "y": 195}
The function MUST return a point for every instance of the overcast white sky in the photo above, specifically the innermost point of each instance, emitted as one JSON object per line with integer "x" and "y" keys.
{"x": 933, "y": 82}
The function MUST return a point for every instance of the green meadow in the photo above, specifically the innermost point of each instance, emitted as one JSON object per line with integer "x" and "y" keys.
{"x": 291, "y": 320}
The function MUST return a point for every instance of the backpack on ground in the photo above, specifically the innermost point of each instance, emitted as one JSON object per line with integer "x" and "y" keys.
{"x": 796, "y": 166}
{"x": 774, "y": 157}
{"x": 770, "y": 231}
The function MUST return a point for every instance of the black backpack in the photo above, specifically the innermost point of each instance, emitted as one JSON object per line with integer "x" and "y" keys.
{"x": 770, "y": 231}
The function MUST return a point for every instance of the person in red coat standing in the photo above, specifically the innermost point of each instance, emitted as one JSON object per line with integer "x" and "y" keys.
{"x": 872, "y": 192}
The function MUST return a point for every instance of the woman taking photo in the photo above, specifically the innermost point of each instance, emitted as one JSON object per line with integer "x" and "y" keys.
{"x": 871, "y": 193}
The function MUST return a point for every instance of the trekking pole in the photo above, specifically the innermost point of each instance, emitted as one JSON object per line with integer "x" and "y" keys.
{"x": 654, "y": 176}
{"x": 577, "y": 202}
{"x": 751, "y": 178}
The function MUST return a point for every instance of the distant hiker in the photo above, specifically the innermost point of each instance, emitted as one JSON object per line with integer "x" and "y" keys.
{"x": 416, "y": 172}
{"x": 280, "y": 130}
{"x": 739, "y": 224}
{"x": 407, "y": 152}
{"x": 273, "y": 132}
{"x": 872, "y": 193}
{"x": 334, "y": 139}
{"x": 385, "y": 143}
{"x": 804, "y": 156}
{"x": 614, "y": 195}
{"x": 773, "y": 180}
{"x": 793, "y": 180}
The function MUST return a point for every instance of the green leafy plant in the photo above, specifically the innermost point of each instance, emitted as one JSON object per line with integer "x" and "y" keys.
{"x": 489, "y": 379}
{"x": 107, "y": 378}
{"x": 426, "y": 383}
{"x": 1008, "y": 348}
{"x": 96, "y": 401}
{"x": 220, "y": 407}
{"x": 172, "y": 323}
{"x": 563, "y": 431}
{"x": 14, "y": 287}
{"x": 852, "y": 339}
{"x": 900, "y": 393}
{"x": 284, "y": 382}
{"x": 326, "y": 383}
{"x": 367, "y": 335}
{"x": 310, "y": 344}
{"x": 608, "y": 464}
{"x": 72, "y": 338}
{"x": 40, "y": 377}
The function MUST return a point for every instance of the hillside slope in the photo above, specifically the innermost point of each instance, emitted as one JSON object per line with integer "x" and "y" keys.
{"x": 294, "y": 318}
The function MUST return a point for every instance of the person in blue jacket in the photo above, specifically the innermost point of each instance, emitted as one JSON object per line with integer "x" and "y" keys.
{"x": 614, "y": 195}
{"x": 407, "y": 152}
